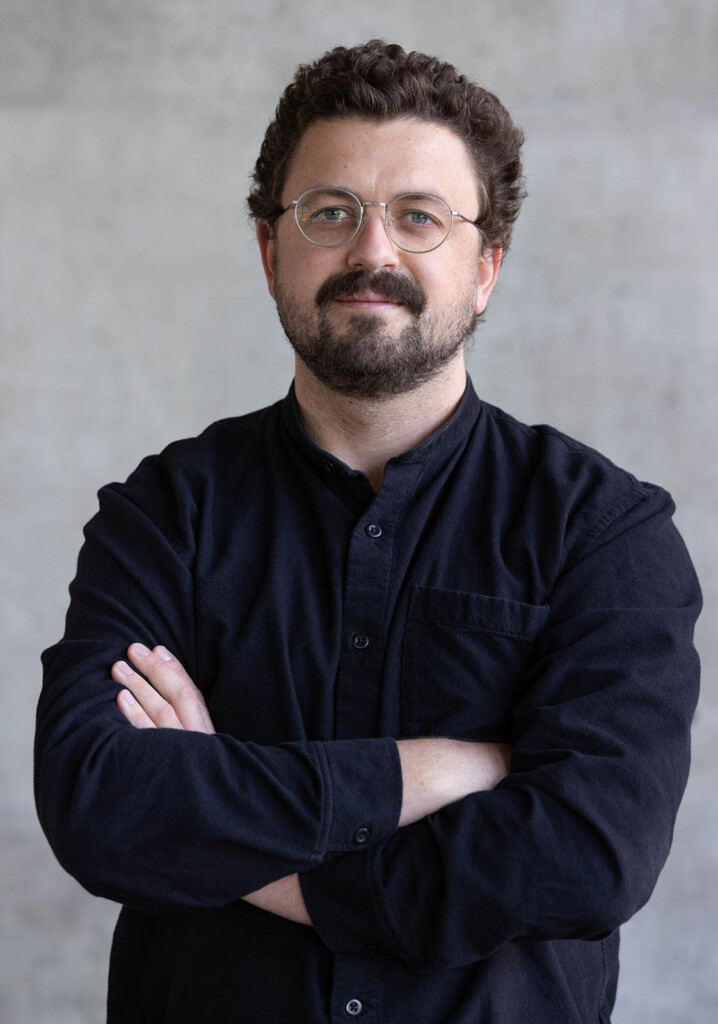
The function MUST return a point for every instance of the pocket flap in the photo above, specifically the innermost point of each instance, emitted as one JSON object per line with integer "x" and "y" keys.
{"x": 463, "y": 610}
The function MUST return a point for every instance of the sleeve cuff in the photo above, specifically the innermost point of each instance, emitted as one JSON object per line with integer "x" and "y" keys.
{"x": 346, "y": 897}
{"x": 363, "y": 792}
{"x": 339, "y": 899}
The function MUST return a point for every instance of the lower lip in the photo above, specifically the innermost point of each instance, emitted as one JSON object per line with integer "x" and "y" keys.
{"x": 372, "y": 307}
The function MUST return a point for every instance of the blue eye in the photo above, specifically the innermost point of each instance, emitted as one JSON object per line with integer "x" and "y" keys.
{"x": 331, "y": 215}
{"x": 415, "y": 219}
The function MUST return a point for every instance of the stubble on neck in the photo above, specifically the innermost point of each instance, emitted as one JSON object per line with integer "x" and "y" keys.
{"x": 366, "y": 432}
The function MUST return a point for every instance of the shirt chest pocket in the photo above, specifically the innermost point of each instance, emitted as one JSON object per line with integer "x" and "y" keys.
{"x": 463, "y": 659}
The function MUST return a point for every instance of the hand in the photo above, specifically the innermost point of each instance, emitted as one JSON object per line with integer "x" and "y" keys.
{"x": 163, "y": 696}
{"x": 168, "y": 699}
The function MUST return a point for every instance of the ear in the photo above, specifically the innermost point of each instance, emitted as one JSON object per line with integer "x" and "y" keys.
{"x": 489, "y": 265}
{"x": 268, "y": 251}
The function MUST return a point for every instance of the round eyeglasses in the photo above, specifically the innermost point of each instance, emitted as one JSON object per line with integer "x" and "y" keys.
{"x": 416, "y": 222}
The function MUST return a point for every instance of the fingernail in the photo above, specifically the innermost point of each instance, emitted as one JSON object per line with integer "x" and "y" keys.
{"x": 123, "y": 668}
{"x": 163, "y": 653}
{"x": 126, "y": 697}
{"x": 140, "y": 650}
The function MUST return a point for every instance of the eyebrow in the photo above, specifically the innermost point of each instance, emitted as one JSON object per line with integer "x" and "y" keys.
{"x": 410, "y": 193}
{"x": 332, "y": 189}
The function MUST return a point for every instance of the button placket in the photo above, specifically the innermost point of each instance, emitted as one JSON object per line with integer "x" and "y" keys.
{"x": 367, "y": 583}
{"x": 356, "y": 987}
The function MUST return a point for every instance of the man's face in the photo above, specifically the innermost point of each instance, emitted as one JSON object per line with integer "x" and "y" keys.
{"x": 368, "y": 319}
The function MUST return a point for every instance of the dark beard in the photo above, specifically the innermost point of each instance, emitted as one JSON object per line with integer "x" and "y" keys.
{"x": 365, "y": 361}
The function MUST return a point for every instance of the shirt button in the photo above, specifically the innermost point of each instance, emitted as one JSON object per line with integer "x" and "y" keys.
{"x": 360, "y": 641}
{"x": 373, "y": 530}
{"x": 361, "y": 835}
{"x": 353, "y": 1008}
{"x": 327, "y": 466}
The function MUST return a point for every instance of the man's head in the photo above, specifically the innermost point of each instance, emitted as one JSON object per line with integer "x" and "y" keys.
{"x": 379, "y": 82}
{"x": 379, "y": 123}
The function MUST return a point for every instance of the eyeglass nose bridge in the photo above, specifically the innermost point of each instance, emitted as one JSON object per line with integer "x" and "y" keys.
{"x": 360, "y": 225}
{"x": 387, "y": 229}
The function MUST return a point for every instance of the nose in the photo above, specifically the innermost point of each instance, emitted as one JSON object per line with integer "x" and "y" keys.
{"x": 371, "y": 248}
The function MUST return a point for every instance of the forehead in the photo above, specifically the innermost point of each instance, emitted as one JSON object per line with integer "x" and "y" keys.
{"x": 382, "y": 160}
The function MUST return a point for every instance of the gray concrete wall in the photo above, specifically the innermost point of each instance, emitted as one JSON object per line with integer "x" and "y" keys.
{"x": 134, "y": 312}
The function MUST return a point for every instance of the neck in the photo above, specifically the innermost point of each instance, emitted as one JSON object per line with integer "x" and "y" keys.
{"x": 366, "y": 433}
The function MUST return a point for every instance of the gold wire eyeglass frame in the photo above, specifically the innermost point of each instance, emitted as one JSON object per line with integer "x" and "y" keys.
{"x": 296, "y": 203}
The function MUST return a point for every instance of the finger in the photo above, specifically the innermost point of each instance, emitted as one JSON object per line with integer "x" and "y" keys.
{"x": 169, "y": 678}
{"x": 157, "y": 709}
{"x": 134, "y": 712}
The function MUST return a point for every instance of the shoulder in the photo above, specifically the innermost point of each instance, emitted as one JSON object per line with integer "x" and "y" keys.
{"x": 174, "y": 487}
{"x": 190, "y": 461}
{"x": 586, "y": 495}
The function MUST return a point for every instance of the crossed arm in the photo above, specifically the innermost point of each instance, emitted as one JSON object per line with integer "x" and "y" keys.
{"x": 159, "y": 694}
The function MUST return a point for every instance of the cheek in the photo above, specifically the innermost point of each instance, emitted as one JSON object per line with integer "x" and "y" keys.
{"x": 301, "y": 272}
{"x": 289, "y": 278}
{"x": 456, "y": 282}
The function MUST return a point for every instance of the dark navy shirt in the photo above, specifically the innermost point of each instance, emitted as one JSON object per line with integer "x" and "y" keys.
{"x": 505, "y": 583}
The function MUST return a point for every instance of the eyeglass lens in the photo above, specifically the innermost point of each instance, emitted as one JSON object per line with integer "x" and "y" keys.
{"x": 416, "y": 223}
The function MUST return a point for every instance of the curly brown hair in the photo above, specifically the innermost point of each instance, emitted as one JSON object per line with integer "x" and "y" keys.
{"x": 379, "y": 81}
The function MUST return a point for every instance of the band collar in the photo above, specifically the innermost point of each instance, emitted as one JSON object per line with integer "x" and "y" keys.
{"x": 438, "y": 447}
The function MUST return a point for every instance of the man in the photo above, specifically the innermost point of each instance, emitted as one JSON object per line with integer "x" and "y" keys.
{"x": 302, "y": 648}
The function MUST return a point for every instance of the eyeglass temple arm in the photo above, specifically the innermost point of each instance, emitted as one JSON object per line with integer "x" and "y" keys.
{"x": 468, "y": 220}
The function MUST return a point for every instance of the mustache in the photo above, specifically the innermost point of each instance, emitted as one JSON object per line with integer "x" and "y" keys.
{"x": 394, "y": 287}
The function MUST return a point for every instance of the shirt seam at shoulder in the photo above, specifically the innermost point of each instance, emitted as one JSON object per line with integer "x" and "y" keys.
{"x": 598, "y": 526}
{"x": 127, "y": 493}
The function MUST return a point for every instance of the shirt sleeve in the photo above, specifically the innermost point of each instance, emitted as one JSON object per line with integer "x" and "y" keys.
{"x": 155, "y": 818}
{"x": 571, "y": 843}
